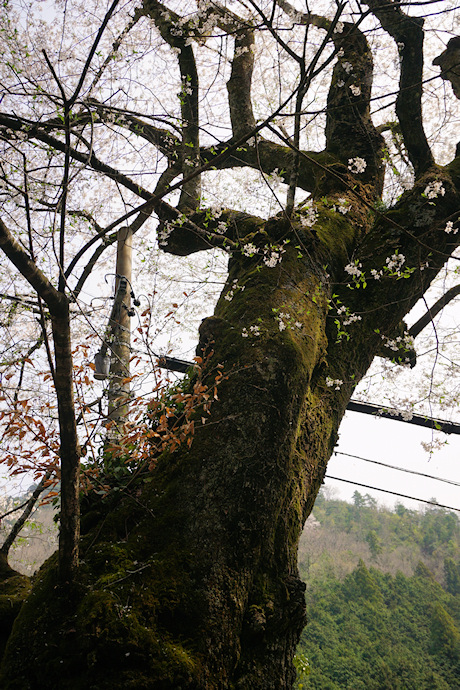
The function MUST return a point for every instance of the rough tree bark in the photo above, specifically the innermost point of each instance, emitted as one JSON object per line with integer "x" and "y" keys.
{"x": 190, "y": 580}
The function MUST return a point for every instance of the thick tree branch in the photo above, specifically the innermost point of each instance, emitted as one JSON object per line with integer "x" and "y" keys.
{"x": 239, "y": 84}
{"x": 350, "y": 132}
{"x": 408, "y": 35}
{"x": 163, "y": 139}
{"x": 174, "y": 31}
{"x": 69, "y": 451}
{"x": 433, "y": 311}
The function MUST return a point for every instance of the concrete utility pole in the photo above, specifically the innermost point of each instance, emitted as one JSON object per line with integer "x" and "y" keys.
{"x": 118, "y": 340}
{"x": 119, "y": 388}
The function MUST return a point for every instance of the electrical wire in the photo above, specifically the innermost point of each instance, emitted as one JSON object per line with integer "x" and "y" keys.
{"x": 400, "y": 469}
{"x": 393, "y": 493}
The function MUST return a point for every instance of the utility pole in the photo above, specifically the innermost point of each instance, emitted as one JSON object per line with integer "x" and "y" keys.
{"x": 118, "y": 341}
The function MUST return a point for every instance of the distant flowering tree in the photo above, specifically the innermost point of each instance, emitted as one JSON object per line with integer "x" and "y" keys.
{"x": 258, "y": 133}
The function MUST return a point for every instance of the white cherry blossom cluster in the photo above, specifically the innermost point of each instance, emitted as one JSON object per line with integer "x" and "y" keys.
{"x": 355, "y": 90}
{"x": 285, "y": 321}
{"x": 186, "y": 86}
{"x": 19, "y": 135}
{"x": 215, "y": 211}
{"x": 434, "y": 444}
{"x": 342, "y": 206}
{"x": 272, "y": 259}
{"x": 434, "y": 189}
{"x": 253, "y": 331}
{"x": 354, "y": 269}
{"x": 450, "y": 228}
{"x": 273, "y": 255}
{"x": 349, "y": 317}
{"x": 405, "y": 342}
{"x": 394, "y": 267}
{"x": 190, "y": 163}
{"x": 249, "y": 249}
{"x": 275, "y": 178}
{"x": 234, "y": 288}
{"x": 357, "y": 165}
{"x": 239, "y": 51}
{"x": 406, "y": 415}
{"x": 110, "y": 117}
{"x": 164, "y": 233}
{"x": 395, "y": 262}
{"x": 308, "y": 215}
{"x": 334, "y": 383}
{"x": 193, "y": 24}
{"x": 176, "y": 31}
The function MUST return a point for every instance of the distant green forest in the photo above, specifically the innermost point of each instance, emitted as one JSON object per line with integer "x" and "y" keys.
{"x": 383, "y": 597}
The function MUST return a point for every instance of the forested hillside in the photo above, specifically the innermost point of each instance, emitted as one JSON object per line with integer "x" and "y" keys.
{"x": 383, "y": 597}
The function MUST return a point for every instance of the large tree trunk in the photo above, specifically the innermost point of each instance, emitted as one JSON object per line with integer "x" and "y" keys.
{"x": 192, "y": 581}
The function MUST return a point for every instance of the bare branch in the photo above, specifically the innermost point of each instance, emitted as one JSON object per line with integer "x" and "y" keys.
{"x": 92, "y": 51}
{"x": 138, "y": 13}
{"x": 24, "y": 358}
{"x": 20, "y": 522}
{"x": 19, "y": 258}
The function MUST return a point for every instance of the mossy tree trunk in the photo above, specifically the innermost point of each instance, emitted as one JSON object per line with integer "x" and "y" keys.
{"x": 190, "y": 580}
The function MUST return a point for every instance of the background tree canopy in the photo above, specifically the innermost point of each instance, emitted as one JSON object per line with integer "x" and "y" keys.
{"x": 300, "y": 143}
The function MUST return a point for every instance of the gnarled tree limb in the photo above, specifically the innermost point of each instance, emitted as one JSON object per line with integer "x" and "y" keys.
{"x": 408, "y": 35}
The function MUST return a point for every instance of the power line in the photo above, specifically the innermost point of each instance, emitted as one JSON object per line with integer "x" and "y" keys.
{"x": 400, "y": 469}
{"x": 393, "y": 493}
